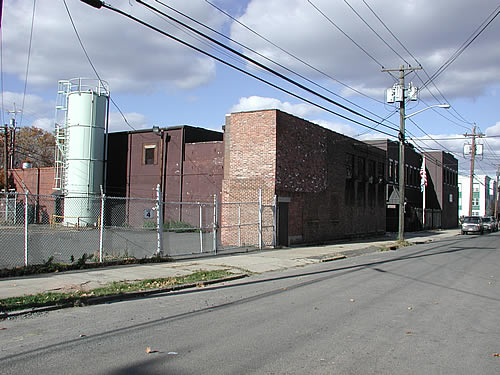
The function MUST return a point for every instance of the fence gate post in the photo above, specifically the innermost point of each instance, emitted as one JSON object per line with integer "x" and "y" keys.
{"x": 26, "y": 228}
{"x": 101, "y": 229}
{"x": 201, "y": 227}
{"x": 275, "y": 220}
{"x": 159, "y": 221}
{"x": 216, "y": 224}
{"x": 260, "y": 218}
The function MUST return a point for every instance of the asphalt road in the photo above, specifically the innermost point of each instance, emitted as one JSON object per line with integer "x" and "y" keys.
{"x": 425, "y": 309}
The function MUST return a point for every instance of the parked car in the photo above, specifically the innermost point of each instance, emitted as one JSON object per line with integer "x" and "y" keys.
{"x": 472, "y": 224}
{"x": 490, "y": 224}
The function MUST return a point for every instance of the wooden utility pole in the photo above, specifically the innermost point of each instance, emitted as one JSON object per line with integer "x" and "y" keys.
{"x": 6, "y": 157}
{"x": 496, "y": 195}
{"x": 472, "y": 159}
{"x": 402, "y": 118}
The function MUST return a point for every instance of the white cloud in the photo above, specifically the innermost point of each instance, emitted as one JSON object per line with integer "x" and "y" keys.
{"x": 46, "y": 124}
{"x": 314, "y": 39}
{"x": 254, "y": 103}
{"x": 36, "y": 110}
{"x": 337, "y": 127}
{"x": 126, "y": 54}
{"x": 135, "y": 120}
{"x": 493, "y": 130}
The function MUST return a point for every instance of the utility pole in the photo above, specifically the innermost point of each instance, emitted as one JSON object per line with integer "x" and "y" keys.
{"x": 496, "y": 194}
{"x": 9, "y": 145}
{"x": 473, "y": 152}
{"x": 399, "y": 96}
{"x": 5, "y": 157}
{"x": 12, "y": 146}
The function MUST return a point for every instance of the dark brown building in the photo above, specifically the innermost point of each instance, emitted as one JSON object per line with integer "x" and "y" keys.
{"x": 185, "y": 161}
{"x": 442, "y": 172}
{"x": 442, "y": 177}
{"x": 413, "y": 195}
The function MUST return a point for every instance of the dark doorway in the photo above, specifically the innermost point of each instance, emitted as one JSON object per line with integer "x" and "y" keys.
{"x": 283, "y": 224}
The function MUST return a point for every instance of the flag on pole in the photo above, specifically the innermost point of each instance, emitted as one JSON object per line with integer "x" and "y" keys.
{"x": 423, "y": 176}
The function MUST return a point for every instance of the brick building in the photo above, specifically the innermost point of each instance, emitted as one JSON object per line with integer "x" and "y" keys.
{"x": 38, "y": 181}
{"x": 327, "y": 185}
{"x": 413, "y": 195}
{"x": 442, "y": 189}
{"x": 185, "y": 161}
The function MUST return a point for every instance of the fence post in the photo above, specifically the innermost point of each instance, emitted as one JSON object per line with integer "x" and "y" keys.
{"x": 14, "y": 212}
{"x": 260, "y": 218}
{"x": 6, "y": 206}
{"x": 26, "y": 228}
{"x": 216, "y": 224}
{"x": 201, "y": 227}
{"x": 159, "y": 221}
{"x": 239, "y": 224}
{"x": 101, "y": 229}
{"x": 275, "y": 200}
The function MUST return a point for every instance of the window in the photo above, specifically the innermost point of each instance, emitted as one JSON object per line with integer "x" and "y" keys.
{"x": 380, "y": 172}
{"x": 149, "y": 155}
{"x": 359, "y": 172}
{"x": 349, "y": 165}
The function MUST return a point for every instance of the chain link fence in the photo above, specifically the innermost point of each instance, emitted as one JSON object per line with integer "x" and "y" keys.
{"x": 36, "y": 229}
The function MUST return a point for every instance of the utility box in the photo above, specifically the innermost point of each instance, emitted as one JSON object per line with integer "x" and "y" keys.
{"x": 389, "y": 95}
{"x": 412, "y": 92}
{"x": 398, "y": 93}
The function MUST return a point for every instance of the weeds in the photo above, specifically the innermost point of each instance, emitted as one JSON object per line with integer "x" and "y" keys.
{"x": 84, "y": 262}
{"x": 78, "y": 298}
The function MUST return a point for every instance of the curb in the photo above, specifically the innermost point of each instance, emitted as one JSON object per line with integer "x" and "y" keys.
{"x": 87, "y": 301}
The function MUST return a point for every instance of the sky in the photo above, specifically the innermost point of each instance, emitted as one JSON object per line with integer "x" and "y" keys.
{"x": 336, "y": 49}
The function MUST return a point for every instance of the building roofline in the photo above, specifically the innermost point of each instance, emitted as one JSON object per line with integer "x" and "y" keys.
{"x": 167, "y": 128}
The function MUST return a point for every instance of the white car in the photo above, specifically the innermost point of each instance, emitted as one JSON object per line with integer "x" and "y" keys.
{"x": 472, "y": 224}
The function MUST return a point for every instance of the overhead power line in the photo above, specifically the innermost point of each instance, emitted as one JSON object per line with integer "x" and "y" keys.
{"x": 375, "y": 32}
{"x": 28, "y": 61}
{"x": 462, "y": 119}
{"x": 248, "y": 73}
{"x": 291, "y": 54}
{"x": 345, "y": 34}
{"x": 260, "y": 65}
{"x": 96, "y": 4}
{"x": 465, "y": 45}
{"x": 275, "y": 62}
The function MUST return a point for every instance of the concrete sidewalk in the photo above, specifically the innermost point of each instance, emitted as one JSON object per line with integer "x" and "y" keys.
{"x": 256, "y": 262}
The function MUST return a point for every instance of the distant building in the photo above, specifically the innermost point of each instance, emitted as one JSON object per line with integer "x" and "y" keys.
{"x": 483, "y": 195}
{"x": 413, "y": 195}
{"x": 442, "y": 188}
{"x": 441, "y": 192}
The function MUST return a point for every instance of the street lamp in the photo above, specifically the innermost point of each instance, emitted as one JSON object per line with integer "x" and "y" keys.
{"x": 403, "y": 117}
{"x": 425, "y": 109}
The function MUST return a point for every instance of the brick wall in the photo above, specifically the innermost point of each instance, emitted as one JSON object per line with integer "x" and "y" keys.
{"x": 249, "y": 165}
{"x": 36, "y": 180}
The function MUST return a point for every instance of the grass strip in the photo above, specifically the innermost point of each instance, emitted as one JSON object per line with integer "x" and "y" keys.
{"x": 79, "y": 297}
